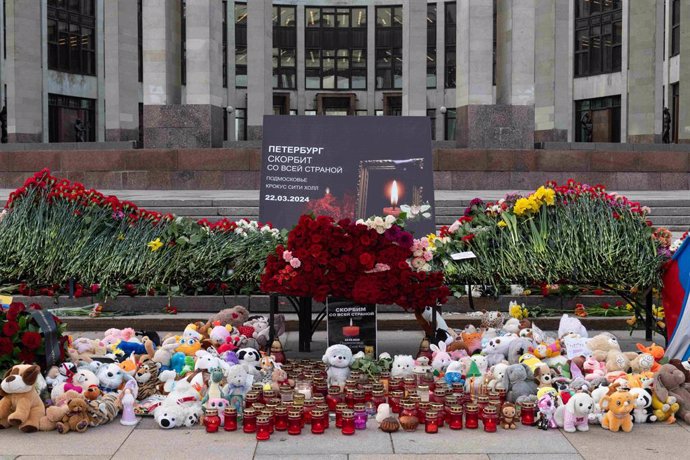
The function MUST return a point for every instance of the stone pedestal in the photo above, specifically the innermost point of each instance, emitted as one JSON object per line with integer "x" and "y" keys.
{"x": 183, "y": 126}
{"x": 495, "y": 126}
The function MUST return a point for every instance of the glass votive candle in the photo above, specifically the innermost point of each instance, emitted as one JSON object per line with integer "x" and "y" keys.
{"x": 230, "y": 414}
{"x": 471, "y": 416}
{"x": 395, "y": 384}
{"x": 249, "y": 420}
{"x": 263, "y": 428}
{"x": 339, "y": 414}
{"x": 424, "y": 393}
{"x": 410, "y": 384}
{"x": 286, "y": 393}
{"x": 294, "y": 422}
{"x": 350, "y": 397}
{"x": 455, "y": 421}
{"x": 384, "y": 380}
{"x": 281, "y": 418}
{"x": 271, "y": 421}
{"x": 482, "y": 402}
{"x": 527, "y": 415}
{"x": 320, "y": 387}
{"x": 441, "y": 411}
{"x": 360, "y": 417}
{"x": 250, "y": 399}
{"x": 502, "y": 395}
{"x": 458, "y": 388}
{"x": 348, "y": 422}
{"x": 431, "y": 422}
{"x": 439, "y": 395}
{"x": 378, "y": 398}
{"x": 306, "y": 411}
{"x": 335, "y": 396}
{"x": 422, "y": 409}
{"x": 394, "y": 398}
{"x": 490, "y": 419}
{"x": 304, "y": 387}
{"x": 298, "y": 398}
{"x": 318, "y": 425}
{"x": 323, "y": 408}
{"x": 212, "y": 421}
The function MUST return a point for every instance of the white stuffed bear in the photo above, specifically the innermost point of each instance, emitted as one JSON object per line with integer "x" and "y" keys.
{"x": 497, "y": 372}
{"x": 239, "y": 381}
{"x": 569, "y": 326}
{"x": 574, "y": 415}
{"x": 403, "y": 366}
{"x": 338, "y": 359}
{"x": 82, "y": 378}
{"x": 181, "y": 407}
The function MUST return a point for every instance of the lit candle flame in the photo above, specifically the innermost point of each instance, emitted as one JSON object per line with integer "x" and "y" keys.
{"x": 328, "y": 191}
{"x": 394, "y": 194}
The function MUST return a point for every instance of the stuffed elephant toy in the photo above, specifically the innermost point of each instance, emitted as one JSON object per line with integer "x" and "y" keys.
{"x": 518, "y": 381}
{"x": 670, "y": 381}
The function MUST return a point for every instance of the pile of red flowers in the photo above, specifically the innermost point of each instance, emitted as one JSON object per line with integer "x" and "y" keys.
{"x": 348, "y": 260}
{"x": 21, "y": 340}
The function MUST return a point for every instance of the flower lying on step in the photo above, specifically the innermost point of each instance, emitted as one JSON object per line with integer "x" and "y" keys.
{"x": 155, "y": 245}
{"x": 517, "y": 311}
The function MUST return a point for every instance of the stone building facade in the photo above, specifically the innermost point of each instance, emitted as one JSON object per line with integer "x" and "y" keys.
{"x": 488, "y": 73}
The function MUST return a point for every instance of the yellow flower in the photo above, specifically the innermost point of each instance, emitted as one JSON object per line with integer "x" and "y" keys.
{"x": 527, "y": 292}
{"x": 431, "y": 238}
{"x": 155, "y": 245}
{"x": 120, "y": 237}
{"x": 628, "y": 307}
{"x": 658, "y": 312}
{"x": 631, "y": 321}
{"x": 522, "y": 206}
{"x": 517, "y": 311}
{"x": 502, "y": 223}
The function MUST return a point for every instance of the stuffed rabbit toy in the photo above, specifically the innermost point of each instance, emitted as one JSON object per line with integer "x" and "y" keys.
{"x": 440, "y": 358}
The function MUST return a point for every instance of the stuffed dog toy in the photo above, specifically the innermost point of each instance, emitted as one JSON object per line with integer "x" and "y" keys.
{"x": 338, "y": 359}
{"x": 21, "y": 406}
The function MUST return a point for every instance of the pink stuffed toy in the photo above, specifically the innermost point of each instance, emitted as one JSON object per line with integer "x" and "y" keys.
{"x": 594, "y": 369}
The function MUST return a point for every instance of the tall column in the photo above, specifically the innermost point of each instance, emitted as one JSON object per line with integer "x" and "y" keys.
{"x": 684, "y": 74}
{"x": 645, "y": 58}
{"x": 259, "y": 65}
{"x": 414, "y": 58}
{"x": 552, "y": 100}
{"x": 23, "y": 71}
{"x": 515, "y": 21}
{"x": 204, "y": 94}
{"x": 161, "y": 22}
{"x": 474, "y": 73}
{"x": 121, "y": 66}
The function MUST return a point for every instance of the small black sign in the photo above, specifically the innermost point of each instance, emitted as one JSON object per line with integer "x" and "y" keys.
{"x": 353, "y": 325}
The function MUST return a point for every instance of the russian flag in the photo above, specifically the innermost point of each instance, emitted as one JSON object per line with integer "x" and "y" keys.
{"x": 675, "y": 301}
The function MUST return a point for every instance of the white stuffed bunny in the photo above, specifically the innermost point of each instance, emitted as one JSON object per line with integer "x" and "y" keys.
{"x": 441, "y": 359}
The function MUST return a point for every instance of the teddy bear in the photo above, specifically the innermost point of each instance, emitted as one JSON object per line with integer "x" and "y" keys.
{"x": 80, "y": 381}
{"x": 643, "y": 362}
{"x": 235, "y": 316}
{"x": 111, "y": 377}
{"x": 56, "y": 411}
{"x": 470, "y": 340}
{"x": 670, "y": 381}
{"x": 239, "y": 382}
{"x": 164, "y": 353}
{"x": 181, "y": 407}
{"x": 518, "y": 382}
{"x": 495, "y": 376}
{"x": 574, "y": 415}
{"x": 338, "y": 359}
{"x": 77, "y": 419}
{"x": 605, "y": 348}
{"x": 618, "y": 406}
{"x": 20, "y": 405}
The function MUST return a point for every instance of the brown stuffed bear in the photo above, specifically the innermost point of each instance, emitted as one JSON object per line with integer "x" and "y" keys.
{"x": 20, "y": 404}
{"x": 57, "y": 412}
{"x": 670, "y": 381}
{"x": 236, "y": 316}
{"x": 77, "y": 419}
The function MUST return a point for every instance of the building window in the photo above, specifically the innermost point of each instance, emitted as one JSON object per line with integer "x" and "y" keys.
{"x": 598, "y": 36}
{"x": 675, "y": 28}
{"x": 66, "y": 114}
{"x": 449, "y": 122}
{"x": 598, "y": 120}
{"x": 241, "y": 124}
{"x": 225, "y": 51}
{"x": 431, "y": 45}
{"x": 389, "y": 71}
{"x": 284, "y": 47}
{"x": 431, "y": 113}
{"x": 240, "y": 45}
{"x": 183, "y": 42}
{"x": 140, "y": 40}
{"x": 450, "y": 37}
{"x": 71, "y": 36}
{"x": 140, "y": 144}
{"x": 335, "y": 48}
{"x": 675, "y": 110}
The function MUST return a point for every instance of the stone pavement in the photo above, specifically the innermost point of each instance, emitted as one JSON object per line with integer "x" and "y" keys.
{"x": 148, "y": 441}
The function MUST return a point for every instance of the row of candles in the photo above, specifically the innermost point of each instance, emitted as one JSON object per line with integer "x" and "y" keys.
{"x": 416, "y": 400}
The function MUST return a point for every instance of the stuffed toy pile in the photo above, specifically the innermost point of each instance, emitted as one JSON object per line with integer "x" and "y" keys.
{"x": 211, "y": 364}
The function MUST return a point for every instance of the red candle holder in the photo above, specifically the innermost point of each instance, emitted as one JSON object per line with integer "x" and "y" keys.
{"x": 295, "y": 422}
{"x": 335, "y": 397}
{"x": 471, "y": 416}
{"x": 212, "y": 421}
{"x": 438, "y": 395}
{"x": 326, "y": 416}
{"x": 339, "y": 414}
{"x": 422, "y": 409}
{"x": 431, "y": 422}
{"x": 250, "y": 399}
{"x": 455, "y": 421}
{"x": 281, "y": 418}
{"x": 263, "y": 428}
{"x": 527, "y": 415}
{"x": 318, "y": 424}
{"x": 490, "y": 419}
{"x": 378, "y": 398}
{"x": 348, "y": 428}
{"x": 394, "y": 398}
{"x": 230, "y": 414}
{"x": 482, "y": 403}
{"x": 440, "y": 410}
{"x": 249, "y": 420}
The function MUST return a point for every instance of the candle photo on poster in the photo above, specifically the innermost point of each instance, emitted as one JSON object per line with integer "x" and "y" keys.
{"x": 353, "y": 325}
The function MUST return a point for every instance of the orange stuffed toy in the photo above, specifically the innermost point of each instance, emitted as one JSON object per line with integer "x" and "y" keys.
{"x": 618, "y": 406}
{"x": 21, "y": 405}
{"x": 656, "y": 351}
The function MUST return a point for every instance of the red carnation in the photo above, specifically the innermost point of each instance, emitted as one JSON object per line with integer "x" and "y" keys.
{"x": 367, "y": 260}
{"x": 32, "y": 340}
{"x": 10, "y": 328}
{"x": 15, "y": 309}
{"x": 5, "y": 346}
{"x": 27, "y": 356}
